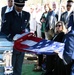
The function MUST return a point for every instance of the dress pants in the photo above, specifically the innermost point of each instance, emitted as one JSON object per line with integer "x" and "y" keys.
{"x": 40, "y": 60}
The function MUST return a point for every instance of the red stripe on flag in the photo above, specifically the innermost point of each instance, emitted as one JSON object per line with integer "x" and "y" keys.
{"x": 18, "y": 46}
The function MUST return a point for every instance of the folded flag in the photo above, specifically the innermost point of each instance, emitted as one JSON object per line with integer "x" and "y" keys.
{"x": 37, "y": 45}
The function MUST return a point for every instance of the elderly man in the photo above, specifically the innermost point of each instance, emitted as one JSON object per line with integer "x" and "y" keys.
{"x": 7, "y": 8}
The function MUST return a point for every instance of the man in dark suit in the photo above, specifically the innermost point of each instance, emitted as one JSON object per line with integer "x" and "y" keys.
{"x": 51, "y": 20}
{"x": 68, "y": 54}
{"x": 15, "y": 22}
{"x": 7, "y": 8}
{"x": 66, "y": 14}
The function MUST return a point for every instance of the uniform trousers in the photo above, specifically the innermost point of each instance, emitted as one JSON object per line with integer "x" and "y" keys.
{"x": 17, "y": 61}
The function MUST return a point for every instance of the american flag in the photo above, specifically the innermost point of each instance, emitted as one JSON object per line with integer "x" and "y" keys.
{"x": 39, "y": 46}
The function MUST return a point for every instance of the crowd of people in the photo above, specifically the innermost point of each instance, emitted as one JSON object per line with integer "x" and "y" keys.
{"x": 49, "y": 26}
{"x": 47, "y": 22}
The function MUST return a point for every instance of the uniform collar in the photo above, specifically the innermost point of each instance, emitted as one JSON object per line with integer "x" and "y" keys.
{"x": 18, "y": 12}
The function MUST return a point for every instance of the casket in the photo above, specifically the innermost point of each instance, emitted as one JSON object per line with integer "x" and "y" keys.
{"x": 5, "y": 45}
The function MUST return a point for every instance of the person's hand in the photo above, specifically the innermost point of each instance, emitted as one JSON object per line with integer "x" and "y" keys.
{"x": 42, "y": 20}
{"x": 60, "y": 53}
{"x": 56, "y": 51}
{"x": 33, "y": 33}
{"x": 17, "y": 36}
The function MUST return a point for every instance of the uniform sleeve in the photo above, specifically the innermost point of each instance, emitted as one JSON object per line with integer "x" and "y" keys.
{"x": 28, "y": 16}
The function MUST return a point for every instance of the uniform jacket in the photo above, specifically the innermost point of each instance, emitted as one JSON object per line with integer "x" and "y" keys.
{"x": 12, "y": 25}
{"x": 68, "y": 54}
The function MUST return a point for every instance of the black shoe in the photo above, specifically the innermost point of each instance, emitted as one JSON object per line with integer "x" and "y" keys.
{"x": 32, "y": 58}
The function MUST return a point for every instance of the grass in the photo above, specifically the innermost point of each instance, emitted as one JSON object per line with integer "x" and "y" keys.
{"x": 27, "y": 70}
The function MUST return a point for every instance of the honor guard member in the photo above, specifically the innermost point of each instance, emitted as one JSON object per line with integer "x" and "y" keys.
{"x": 14, "y": 23}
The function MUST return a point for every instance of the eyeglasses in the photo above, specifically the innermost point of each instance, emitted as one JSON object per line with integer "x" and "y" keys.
{"x": 58, "y": 25}
{"x": 68, "y": 5}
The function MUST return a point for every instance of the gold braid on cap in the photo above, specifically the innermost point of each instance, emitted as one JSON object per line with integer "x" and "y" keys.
{"x": 19, "y": 3}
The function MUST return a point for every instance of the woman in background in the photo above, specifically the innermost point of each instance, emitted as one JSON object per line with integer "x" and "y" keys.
{"x": 51, "y": 60}
{"x": 43, "y": 21}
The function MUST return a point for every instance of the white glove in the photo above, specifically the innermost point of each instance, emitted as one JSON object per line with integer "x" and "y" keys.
{"x": 17, "y": 36}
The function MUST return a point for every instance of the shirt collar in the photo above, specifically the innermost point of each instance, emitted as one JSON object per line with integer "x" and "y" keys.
{"x": 9, "y": 7}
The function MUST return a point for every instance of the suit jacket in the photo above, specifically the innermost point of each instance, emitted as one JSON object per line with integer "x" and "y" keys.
{"x": 3, "y": 11}
{"x": 64, "y": 18}
{"x": 48, "y": 23}
{"x": 68, "y": 54}
{"x": 71, "y": 20}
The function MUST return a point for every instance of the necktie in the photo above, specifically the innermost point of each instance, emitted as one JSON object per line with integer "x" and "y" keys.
{"x": 20, "y": 15}
{"x": 9, "y": 9}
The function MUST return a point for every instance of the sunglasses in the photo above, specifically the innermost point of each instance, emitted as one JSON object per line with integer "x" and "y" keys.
{"x": 68, "y": 5}
{"x": 58, "y": 25}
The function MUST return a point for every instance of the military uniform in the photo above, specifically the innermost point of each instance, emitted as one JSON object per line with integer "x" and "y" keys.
{"x": 12, "y": 25}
